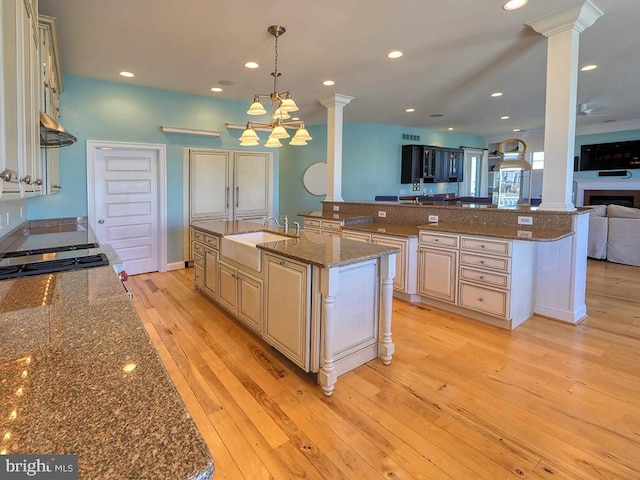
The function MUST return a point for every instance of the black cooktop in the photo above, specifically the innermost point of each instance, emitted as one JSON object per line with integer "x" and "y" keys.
{"x": 38, "y": 251}
{"x": 52, "y": 266}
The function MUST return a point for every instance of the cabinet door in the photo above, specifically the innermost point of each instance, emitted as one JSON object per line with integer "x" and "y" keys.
{"x": 251, "y": 184}
{"x": 287, "y": 308}
{"x": 250, "y": 301}
{"x": 211, "y": 272}
{"x": 228, "y": 287}
{"x": 210, "y": 193}
{"x": 437, "y": 274}
{"x": 411, "y": 168}
{"x": 433, "y": 171}
{"x": 360, "y": 237}
{"x": 452, "y": 162}
{"x": 399, "y": 282}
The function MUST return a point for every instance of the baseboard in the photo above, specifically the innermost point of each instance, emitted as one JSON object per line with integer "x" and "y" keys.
{"x": 175, "y": 266}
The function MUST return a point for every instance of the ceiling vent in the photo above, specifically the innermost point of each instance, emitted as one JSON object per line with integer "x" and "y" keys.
{"x": 412, "y": 138}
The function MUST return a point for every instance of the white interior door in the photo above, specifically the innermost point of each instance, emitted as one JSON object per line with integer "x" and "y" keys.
{"x": 125, "y": 205}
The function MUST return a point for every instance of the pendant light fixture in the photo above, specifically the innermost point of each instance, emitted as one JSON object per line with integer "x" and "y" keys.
{"x": 281, "y": 105}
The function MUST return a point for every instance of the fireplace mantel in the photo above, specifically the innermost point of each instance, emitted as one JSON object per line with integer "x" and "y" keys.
{"x": 605, "y": 185}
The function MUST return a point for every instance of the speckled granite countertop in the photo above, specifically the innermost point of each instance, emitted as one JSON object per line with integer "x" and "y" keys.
{"x": 396, "y": 229}
{"x": 497, "y": 231}
{"x": 315, "y": 249}
{"x": 345, "y": 217}
{"x": 65, "y": 339}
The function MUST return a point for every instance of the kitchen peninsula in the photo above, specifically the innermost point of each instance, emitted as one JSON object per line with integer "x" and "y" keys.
{"x": 498, "y": 265}
{"x": 79, "y": 374}
{"x": 317, "y": 299}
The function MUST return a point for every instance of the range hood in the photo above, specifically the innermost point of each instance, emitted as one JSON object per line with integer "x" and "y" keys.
{"x": 52, "y": 134}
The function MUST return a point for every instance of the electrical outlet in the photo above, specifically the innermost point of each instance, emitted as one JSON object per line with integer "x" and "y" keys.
{"x": 433, "y": 218}
{"x": 336, "y": 208}
{"x": 525, "y": 234}
{"x": 382, "y": 213}
{"x": 525, "y": 220}
{"x": 416, "y": 187}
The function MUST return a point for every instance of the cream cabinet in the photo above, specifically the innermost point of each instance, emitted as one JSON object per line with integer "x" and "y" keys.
{"x": 205, "y": 254}
{"x": 406, "y": 259}
{"x": 229, "y": 185}
{"x": 241, "y": 294}
{"x": 19, "y": 100}
{"x": 438, "y": 266}
{"x": 326, "y": 227}
{"x": 50, "y": 91}
{"x": 288, "y": 308}
{"x": 489, "y": 279}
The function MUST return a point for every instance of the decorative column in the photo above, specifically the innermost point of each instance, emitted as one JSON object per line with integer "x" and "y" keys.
{"x": 387, "y": 273}
{"x": 329, "y": 287}
{"x": 562, "y": 29}
{"x": 334, "y": 104}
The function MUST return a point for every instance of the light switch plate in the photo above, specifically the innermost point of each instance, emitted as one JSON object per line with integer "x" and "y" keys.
{"x": 382, "y": 213}
{"x": 336, "y": 208}
{"x": 525, "y": 220}
{"x": 433, "y": 218}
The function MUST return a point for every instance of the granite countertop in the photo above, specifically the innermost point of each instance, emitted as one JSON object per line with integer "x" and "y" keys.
{"x": 498, "y": 231}
{"x": 65, "y": 340}
{"x": 316, "y": 249}
{"x": 347, "y": 217}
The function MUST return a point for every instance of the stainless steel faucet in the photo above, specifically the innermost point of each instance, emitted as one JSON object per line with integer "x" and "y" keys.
{"x": 285, "y": 225}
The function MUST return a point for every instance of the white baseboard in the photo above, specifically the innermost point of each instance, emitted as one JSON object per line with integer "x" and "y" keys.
{"x": 175, "y": 266}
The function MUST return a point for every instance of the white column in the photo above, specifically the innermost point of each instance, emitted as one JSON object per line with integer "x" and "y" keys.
{"x": 562, "y": 28}
{"x": 329, "y": 287}
{"x": 387, "y": 273}
{"x": 334, "y": 104}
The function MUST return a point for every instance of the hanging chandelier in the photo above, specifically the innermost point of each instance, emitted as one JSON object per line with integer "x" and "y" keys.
{"x": 281, "y": 105}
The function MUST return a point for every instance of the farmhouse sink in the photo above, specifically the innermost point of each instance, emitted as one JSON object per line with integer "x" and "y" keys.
{"x": 241, "y": 247}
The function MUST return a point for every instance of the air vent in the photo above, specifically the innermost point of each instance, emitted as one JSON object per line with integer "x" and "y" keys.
{"x": 413, "y": 138}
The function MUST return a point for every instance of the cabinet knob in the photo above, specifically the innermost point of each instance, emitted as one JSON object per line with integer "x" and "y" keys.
{"x": 481, "y": 277}
{"x": 26, "y": 179}
{"x": 482, "y": 246}
{"x": 481, "y": 262}
{"x": 481, "y": 299}
{"x": 437, "y": 240}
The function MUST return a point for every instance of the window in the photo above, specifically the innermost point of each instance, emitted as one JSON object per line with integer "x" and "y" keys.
{"x": 537, "y": 160}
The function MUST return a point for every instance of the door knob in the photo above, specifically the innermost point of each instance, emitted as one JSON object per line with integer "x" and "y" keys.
{"x": 101, "y": 221}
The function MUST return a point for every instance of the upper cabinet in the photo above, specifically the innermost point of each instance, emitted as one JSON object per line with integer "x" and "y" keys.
{"x": 19, "y": 102}
{"x": 431, "y": 164}
{"x": 26, "y": 70}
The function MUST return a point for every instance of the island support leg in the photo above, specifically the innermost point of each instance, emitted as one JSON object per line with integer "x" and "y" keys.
{"x": 327, "y": 376}
{"x": 387, "y": 272}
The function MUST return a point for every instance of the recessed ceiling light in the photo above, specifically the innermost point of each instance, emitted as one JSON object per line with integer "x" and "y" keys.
{"x": 514, "y": 4}
{"x": 588, "y": 68}
{"x": 395, "y": 54}
{"x": 450, "y": 128}
{"x": 251, "y": 65}
{"x": 517, "y": 130}
{"x": 496, "y": 94}
{"x": 328, "y": 83}
{"x": 410, "y": 110}
{"x": 127, "y": 74}
{"x": 504, "y": 117}
{"x": 216, "y": 89}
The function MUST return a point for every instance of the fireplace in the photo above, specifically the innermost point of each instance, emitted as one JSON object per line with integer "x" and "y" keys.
{"x": 625, "y": 192}
{"x": 626, "y": 198}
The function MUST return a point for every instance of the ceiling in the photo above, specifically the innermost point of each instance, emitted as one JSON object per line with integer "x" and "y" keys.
{"x": 456, "y": 53}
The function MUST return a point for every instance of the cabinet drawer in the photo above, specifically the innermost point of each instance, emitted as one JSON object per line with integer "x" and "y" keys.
{"x": 360, "y": 237}
{"x": 211, "y": 241}
{"x": 438, "y": 239}
{"x": 311, "y": 223}
{"x": 487, "y": 246}
{"x": 199, "y": 260}
{"x": 329, "y": 225}
{"x": 491, "y": 279}
{"x": 198, "y": 276}
{"x": 198, "y": 248}
{"x": 486, "y": 300}
{"x": 198, "y": 236}
{"x": 479, "y": 261}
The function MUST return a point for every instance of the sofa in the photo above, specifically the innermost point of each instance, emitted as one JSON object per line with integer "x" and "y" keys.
{"x": 614, "y": 234}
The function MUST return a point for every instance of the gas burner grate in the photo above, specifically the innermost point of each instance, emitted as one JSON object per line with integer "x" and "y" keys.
{"x": 53, "y": 266}
{"x": 38, "y": 251}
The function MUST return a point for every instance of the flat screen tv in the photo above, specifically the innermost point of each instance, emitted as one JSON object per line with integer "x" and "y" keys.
{"x": 610, "y": 156}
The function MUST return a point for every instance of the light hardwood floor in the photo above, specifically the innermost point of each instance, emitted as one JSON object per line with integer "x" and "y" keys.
{"x": 460, "y": 400}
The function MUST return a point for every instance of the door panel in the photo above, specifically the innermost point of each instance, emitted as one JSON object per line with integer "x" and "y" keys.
{"x": 251, "y": 172}
{"x": 126, "y": 205}
{"x": 210, "y": 194}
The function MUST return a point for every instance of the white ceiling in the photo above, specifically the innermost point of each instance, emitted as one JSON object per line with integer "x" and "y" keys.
{"x": 456, "y": 53}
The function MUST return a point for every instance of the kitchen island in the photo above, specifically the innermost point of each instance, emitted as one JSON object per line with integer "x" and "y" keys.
{"x": 79, "y": 375}
{"x": 324, "y": 302}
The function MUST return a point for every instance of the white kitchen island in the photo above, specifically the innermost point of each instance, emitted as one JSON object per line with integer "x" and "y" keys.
{"x": 324, "y": 302}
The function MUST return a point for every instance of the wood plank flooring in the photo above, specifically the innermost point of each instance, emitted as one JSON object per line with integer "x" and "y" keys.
{"x": 460, "y": 400}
